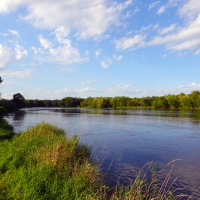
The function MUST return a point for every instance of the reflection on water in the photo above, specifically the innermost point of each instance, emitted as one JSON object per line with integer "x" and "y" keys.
{"x": 125, "y": 140}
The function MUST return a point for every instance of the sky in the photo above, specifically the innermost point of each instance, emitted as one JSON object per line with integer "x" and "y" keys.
{"x": 53, "y": 49}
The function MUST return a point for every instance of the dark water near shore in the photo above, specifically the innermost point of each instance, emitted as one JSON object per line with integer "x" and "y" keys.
{"x": 125, "y": 140}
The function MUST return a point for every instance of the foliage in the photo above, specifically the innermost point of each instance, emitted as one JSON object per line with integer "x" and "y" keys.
{"x": 180, "y": 101}
{"x": 19, "y": 100}
{"x": 42, "y": 163}
{"x": 3, "y": 112}
{"x": 6, "y": 130}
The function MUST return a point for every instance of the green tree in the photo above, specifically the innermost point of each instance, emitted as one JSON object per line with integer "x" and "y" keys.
{"x": 54, "y": 103}
{"x": 47, "y": 103}
{"x": 19, "y": 100}
{"x": 160, "y": 103}
{"x": 173, "y": 101}
{"x": 195, "y": 98}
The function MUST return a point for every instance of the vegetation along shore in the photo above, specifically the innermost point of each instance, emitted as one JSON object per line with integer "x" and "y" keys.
{"x": 43, "y": 162}
{"x": 180, "y": 101}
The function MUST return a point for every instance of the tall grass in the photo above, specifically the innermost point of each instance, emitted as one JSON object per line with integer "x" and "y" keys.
{"x": 43, "y": 163}
{"x": 6, "y": 130}
{"x": 150, "y": 184}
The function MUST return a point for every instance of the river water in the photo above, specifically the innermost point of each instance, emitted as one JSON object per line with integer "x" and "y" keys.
{"x": 123, "y": 141}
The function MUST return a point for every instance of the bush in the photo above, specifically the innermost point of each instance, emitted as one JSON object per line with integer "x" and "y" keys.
{"x": 3, "y": 112}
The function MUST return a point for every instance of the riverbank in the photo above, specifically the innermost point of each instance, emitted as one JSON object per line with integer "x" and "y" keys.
{"x": 44, "y": 163}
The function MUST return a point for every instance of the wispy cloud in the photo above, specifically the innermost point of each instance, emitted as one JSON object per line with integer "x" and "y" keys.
{"x": 8, "y": 55}
{"x": 13, "y": 32}
{"x": 131, "y": 91}
{"x": 118, "y": 58}
{"x": 130, "y": 42}
{"x": 190, "y": 9}
{"x": 186, "y": 38}
{"x": 106, "y": 63}
{"x": 61, "y": 51}
{"x": 82, "y": 92}
{"x": 45, "y": 43}
{"x": 18, "y": 74}
{"x": 88, "y": 82}
{"x": 154, "y": 4}
{"x": 161, "y": 10}
{"x": 98, "y": 52}
{"x": 167, "y": 29}
{"x": 3, "y": 34}
{"x": 20, "y": 52}
{"x": 173, "y": 37}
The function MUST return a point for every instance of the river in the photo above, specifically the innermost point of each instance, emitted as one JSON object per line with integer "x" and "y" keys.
{"x": 123, "y": 141}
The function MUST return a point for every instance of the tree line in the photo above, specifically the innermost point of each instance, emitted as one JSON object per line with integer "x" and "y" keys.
{"x": 180, "y": 101}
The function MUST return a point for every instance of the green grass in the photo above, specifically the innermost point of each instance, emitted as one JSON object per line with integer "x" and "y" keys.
{"x": 43, "y": 163}
{"x": 6, "y": 130}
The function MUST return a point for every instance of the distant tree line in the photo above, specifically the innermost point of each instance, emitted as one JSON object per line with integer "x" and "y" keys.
{"x": 65, "y": 102}
{"x": 180, "y": 101}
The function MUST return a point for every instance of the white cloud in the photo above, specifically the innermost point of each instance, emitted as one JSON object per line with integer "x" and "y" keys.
{"x": 98, "y": 52}
{"x": 197, "y": 52}
{"x": 161, "y": 10}
{"x": 129, "y": 90}
{"x": 6, "y": 56}
{"x": 46, "y": 44}
{"x": 86, "y": 90}
{"x": 106, "y": 63}
{"x": 19, "y": 74}
{"x": 64, "y": 54}
{"x": 61, "y": 33}
{"x": 190, "y": 9}
{"x": 38, "y": 51}
{"x": 183, "y": 88}
{"x": 87, "y": 18}
{"x": 121, "y": 90}
{"x": 167, "y": 29}
{"x": 13, "y": 32}
{"x": 20, "y": 52}
{"x": 88, "y": 82}
{"x": 130, "y": 42}
{"x": 152, "y": 5}
{"x": 174, "y": 37}
{"x": 87, "y": 52}
{"x": 60, "y": 52}
{"x": 186, "y": 38}
{"x": 169, "y": 4}
{"x": 118, "y": 58}
{"x": 164, "y": 56}
{"x": 68, "y": 70}
{"x": 69, "y": 92}
{"x": 3, "y": 34}
{"x": 191, "y": 44}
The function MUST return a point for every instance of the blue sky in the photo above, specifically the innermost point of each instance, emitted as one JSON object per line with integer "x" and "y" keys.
{"x": 52, "y": 49}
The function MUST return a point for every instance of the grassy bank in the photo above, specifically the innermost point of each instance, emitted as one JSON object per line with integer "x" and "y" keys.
{"x": 6, "y": 130}
{"x": 43, "y": 163}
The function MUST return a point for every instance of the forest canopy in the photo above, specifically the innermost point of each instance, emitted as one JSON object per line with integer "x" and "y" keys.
{"x": 170, "y": 101}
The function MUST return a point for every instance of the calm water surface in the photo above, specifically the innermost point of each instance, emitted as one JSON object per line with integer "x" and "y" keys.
{"x": 125, "y": 140}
